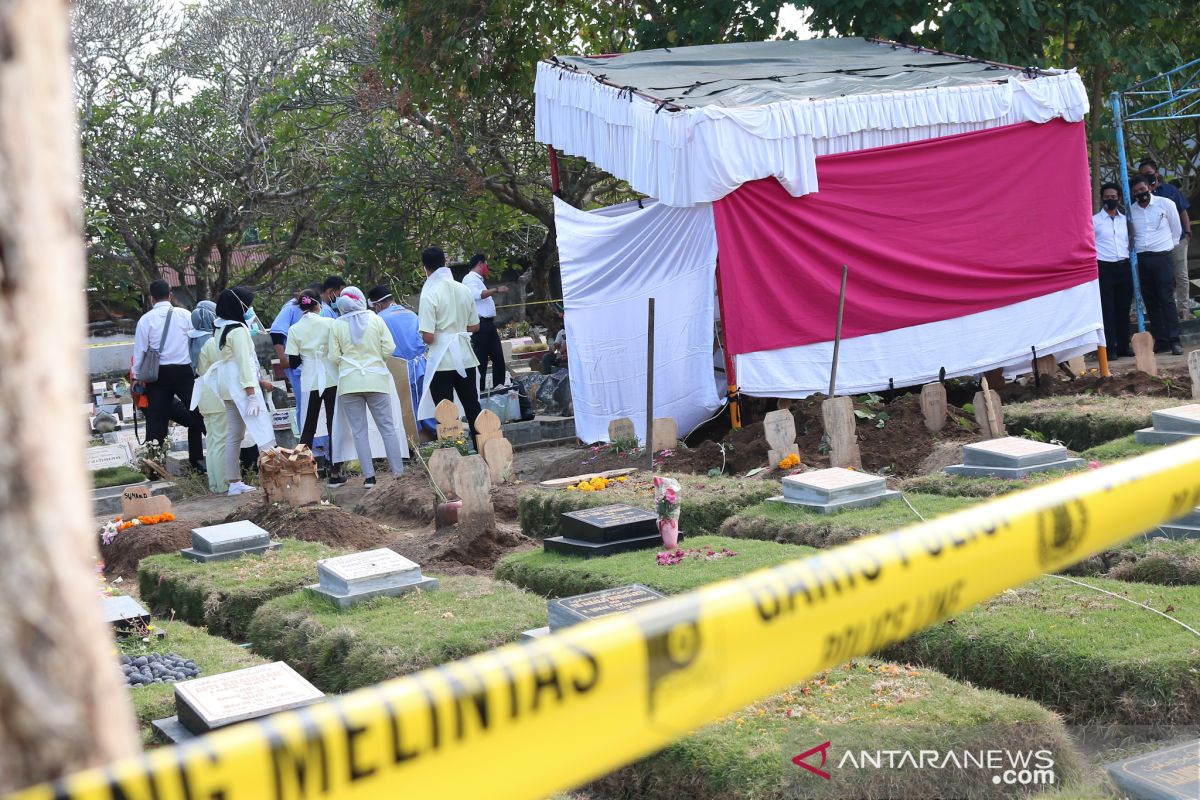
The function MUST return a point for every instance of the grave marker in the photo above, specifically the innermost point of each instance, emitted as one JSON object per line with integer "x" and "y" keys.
{"x": 124, "y": 613}
{"x": 1143, "y": 352}
{"x": 487, "y": 427}
{"x": 498, "y": 453}
{"x": 779, "y": 428}
{"x": 1169, "y": 774}
{"x": 1171, "y": 425}
{"x": 109, "y": 455}
{"x": 933, "y": 406}
{"x": 835, "y": 489}
{"x": 664, "y": 434}
{"x": 442, "y": 463}
{"x": 399, "y": 369}
{"x": 449, "y": 425}
{"x": 605, "y": 530}
{"x": 1077, "y": 366}
{"x": 227, "y": 541}
{"x": 569, "y": 611}
{"x": 1012, "y": 457}
{"x": 138, "y": 501}
{"x": 216, "y": 701}
{"x": 473, "y": 486}
{"x": 990, "y": 421}
{"x": 838, "y": 415}
{"x": 621, "y": 429}
{"x": 1194, "y": 371}
{"x": 351, "y": 579}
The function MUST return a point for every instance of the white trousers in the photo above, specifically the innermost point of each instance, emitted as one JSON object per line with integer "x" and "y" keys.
{"x": 354, "y": 406}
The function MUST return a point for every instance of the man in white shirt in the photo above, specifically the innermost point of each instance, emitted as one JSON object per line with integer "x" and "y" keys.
{"x": 485, "y": 341}
{"x": 175, "y": 377}
{"x": 1116, "y": 280}
{"x": 1156, "y": 231}
{"x": 446, "y": 317}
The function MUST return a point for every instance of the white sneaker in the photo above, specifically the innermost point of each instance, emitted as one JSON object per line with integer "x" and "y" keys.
{"x": 238, "y": 487}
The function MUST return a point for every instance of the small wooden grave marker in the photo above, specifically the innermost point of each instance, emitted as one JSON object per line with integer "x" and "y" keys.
{"x": 933, "y": 406}
{"x": 995, "y": 377}
{"x": 498, "y": 453}
{"x": 664, "y": 434}
{"x": 780, "y": 429}
{"x": 1077, "y": 366}
{"x": 1194, "y": 371}
{"x": 442, "y": 463}
{"x": 1143, "y": 353}
{"x": 473, "y": 485}
{"x": 620, "y": 429}
{"x": 137, "y": 501}
{"x": 990, "y": 420}
{"x": 449, "y": 425}
{"x": 1047, "y": 366}
{"x": 838, "y": 416}
{"x": 487, "y": 428}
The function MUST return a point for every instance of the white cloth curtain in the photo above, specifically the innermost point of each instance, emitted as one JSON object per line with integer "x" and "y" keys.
{"x": 699, "y": 155}
{"x": 1065, "y": 324}
{"x": 612, "y": 261}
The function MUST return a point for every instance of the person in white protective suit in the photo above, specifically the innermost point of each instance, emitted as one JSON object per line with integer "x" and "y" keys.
{"x": 308, "y": 345}
{"x": 359, "y": 345}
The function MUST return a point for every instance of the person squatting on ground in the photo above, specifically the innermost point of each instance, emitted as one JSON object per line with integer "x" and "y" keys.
{"x": 1155, "y": 234}
{"x": 308, "y": 352}
{"x": 1116, "y": 278}
{"x": 359, "y": 345}
{"x": 237, "y": 378}
{"x": 485, "y": 341}
{"x": 166, "y": 329}
{"x": 206, "y": 400}
{"x": 448, "y": 317}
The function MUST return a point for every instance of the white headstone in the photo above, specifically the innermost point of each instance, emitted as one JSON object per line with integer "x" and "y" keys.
{"x": 109, "y": 455}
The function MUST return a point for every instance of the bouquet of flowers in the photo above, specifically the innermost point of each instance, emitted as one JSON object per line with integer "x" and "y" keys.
{"x": 667, "y": 506}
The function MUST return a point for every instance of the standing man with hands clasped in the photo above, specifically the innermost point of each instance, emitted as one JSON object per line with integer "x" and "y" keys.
{"x": 1156, "y": 231}
{"x": 485, "y": 341}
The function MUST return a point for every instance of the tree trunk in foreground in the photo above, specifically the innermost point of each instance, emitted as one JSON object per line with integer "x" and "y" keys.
{"x": 62, "y": 702}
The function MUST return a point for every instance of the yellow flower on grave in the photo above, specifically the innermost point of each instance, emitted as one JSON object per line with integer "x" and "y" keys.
{"x": 622, "y": 479}
{"x": 572, "y": 488}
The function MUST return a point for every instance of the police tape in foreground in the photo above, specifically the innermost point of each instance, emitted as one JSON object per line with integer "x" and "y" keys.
{"x": 528, "y": 720}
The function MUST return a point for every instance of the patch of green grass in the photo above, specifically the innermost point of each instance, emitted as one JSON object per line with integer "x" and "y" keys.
{"x": 1092, "y": 657}
{"x": 557, "y": 575}
{"x": 707, "y": 502}
{"x": 946, "y": 485}
{"x": 223, "y": 595}
{"x": 1147, "y": 559}
{"x": 862, "y": 705}
{"x": 115, "y": 476}
{"x": 212, "y": 654}
{"x": 1083, "y": 421}
{"x": 1117, "y": 449}
{"x": 343, "y": 649}
{"x": 780, "y": 522}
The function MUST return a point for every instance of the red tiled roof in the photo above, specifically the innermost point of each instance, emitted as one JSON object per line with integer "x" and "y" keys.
{"x": 242, "y": 261}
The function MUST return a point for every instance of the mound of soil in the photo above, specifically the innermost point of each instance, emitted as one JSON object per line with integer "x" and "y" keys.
{"x": 122, "y": 555}
{"x": 452, "y": 551}
{"x": 328, "y": 525}
{"x": 1171, "y": 383}
{"x": 586, "y": 460}
{"x": 410, "y": 498}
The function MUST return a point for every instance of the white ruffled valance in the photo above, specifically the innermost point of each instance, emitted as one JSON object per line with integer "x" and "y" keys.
{"x": 699, "y": 155}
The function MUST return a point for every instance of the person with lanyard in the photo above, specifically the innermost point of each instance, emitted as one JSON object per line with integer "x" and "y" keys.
{"x": 308, "y": 344}
{"x": 1116, "y": 280}
{"x": 485, "y": 341}
{"x": 448, "y": 317}
{"x": 359, "y": 345}
{"x": 236, "y": 376}
{"x": 168, "y": 328}
{"x": 205, "y": 399}
{"x": 1148, "y": 168}
{"x": 330, "y": 288}
{"x": 1155, "y": 233}
{"x": 405, "y": 330}
{"x": 284, "y": 320}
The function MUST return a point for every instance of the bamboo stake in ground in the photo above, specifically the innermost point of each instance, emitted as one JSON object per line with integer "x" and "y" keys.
{"x": 837, "y": 413}
{"x": 63, "y": 705}
{"x": 650, "y": 385}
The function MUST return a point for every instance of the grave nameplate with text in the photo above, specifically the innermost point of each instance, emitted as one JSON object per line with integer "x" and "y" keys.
{"x": 1169, "y": 774}
{"x": 608, "y": 523}
{"x": 205, "y": 704}
{"x": 570, "y": 610}
{"x": 373, "y": 573}
{"x": 108, "y": 456}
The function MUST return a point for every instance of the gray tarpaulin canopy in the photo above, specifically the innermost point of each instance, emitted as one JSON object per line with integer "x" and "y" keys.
{"x": 756, "y": 73}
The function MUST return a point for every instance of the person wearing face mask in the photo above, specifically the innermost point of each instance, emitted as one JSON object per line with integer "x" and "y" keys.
{"x": 485, "y": 341}
{"x": 206, "y": 398}
{"x": 1179, "y": 253}
{"x": 1155, "y": 223}
{"x": 360, "y": 344}
{"x": 238, "y": 382}
{"x": 1116, "y": 280}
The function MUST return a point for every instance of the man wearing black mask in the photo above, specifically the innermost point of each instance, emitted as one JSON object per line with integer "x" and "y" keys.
{"x": 1179, "y": 253}
{"x": 1156, "y": 231}
{"x": 1116, "y": 281}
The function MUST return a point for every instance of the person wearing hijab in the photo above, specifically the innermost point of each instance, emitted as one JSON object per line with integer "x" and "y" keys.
{"x": 308, "y": 345}
{"x": 238, "y": 383}
{"x": 360, "y": 344}
{"x": 203, "y": 317}
{"x": 206, "y": 400}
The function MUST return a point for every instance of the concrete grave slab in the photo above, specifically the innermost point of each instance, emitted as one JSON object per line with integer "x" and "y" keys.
{"x": 226, "y": 541}
{"x": 372, "y": 573}
{"x": 835, "y": 489}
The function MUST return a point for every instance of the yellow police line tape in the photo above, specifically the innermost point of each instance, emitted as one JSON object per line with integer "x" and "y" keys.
{"x": 530, "y": 303}
{"x": 527, "y": 720}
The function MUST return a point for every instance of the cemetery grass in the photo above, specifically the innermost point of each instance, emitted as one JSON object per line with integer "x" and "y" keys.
{"x": 1084, "y": 421}
{"x": 1117, "y": 449}
{"x": 1146, "y": 559}
{"x": 780, "y": 522}
{"x": 864, "y": 704}
{"x": 115, "y": 476}
{"x": 557, "y": 575}
{"x": 1091, "y": 657}
{"x": 707, "y": 502}
{"x": 343, "y": 649}
{"x": 222, "y": 596}
{"x": 941, "y": 483}
{"x": 212, "y": 654}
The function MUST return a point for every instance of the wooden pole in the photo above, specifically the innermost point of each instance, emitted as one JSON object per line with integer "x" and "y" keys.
{"x": 735, "y": 411}
{"x": 650, "y": 385}
{"x": 63, "y": 704}
{"x": 837, "y": 335}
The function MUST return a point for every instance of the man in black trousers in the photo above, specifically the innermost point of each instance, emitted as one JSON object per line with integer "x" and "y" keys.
{"x": 485, "y": 341}
{"x": 175, "y": 377}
